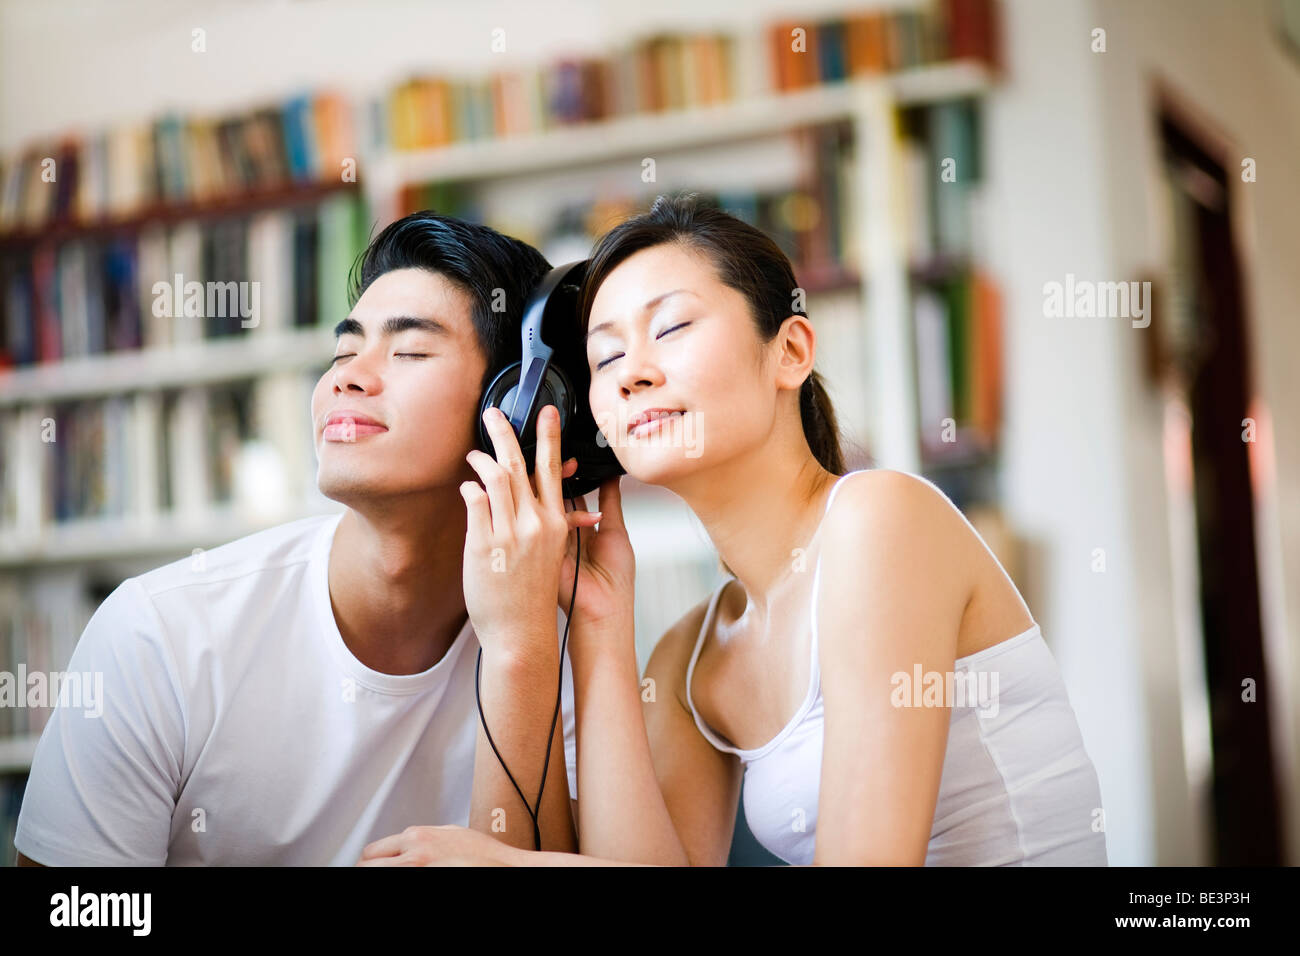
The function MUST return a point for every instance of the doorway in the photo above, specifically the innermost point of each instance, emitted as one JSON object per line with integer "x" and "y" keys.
{"x": 1209, "y": 352}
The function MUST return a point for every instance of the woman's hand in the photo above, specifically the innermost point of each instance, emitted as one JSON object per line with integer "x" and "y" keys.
{"x": 440, "y": 846}
{"x": 515, "y": 538}
{"x": 607, "y": 577}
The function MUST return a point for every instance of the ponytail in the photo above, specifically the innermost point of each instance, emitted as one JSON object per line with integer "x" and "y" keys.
{"x": 819, "y": 424}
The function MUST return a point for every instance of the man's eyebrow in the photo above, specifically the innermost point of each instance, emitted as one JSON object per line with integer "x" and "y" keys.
{"x": 393, "y": 325}
{"x": 645, "y": 308}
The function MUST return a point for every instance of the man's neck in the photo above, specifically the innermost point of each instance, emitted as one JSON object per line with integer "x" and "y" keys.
{"x": 395, "y": 581}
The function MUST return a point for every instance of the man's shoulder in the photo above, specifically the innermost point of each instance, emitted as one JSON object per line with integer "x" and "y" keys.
{"x": 281, "y": 547}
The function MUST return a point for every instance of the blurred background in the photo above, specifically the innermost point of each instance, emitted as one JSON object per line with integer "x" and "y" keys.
{"x": 1049, "y": 250}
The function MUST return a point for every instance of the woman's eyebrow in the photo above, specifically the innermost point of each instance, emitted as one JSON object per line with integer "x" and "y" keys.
{"x": 393, "y": 325}
{"x": 650, "y": 305}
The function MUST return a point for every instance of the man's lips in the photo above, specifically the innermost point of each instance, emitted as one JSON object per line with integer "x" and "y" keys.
{"x": 347, "y": 426}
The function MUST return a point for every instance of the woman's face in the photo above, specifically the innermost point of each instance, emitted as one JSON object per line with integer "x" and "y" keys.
{"x": 666, "y": 333}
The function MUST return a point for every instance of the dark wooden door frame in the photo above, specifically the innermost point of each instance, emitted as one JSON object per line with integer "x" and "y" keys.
{"x": 1246, "y": 806}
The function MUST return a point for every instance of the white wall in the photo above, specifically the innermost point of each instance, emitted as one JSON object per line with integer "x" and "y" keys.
{"x": 1065, "y": 487}
{"x": 1073, "y": 153}
{"x": 1224, "y": 63}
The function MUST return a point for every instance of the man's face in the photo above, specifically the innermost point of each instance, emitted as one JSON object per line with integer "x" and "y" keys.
{"x": 407, "y": 359}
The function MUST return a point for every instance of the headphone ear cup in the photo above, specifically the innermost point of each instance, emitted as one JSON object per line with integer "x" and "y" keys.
{"x": 495, "y": 397}
{"x": 553, "y": 390}
{"x": 557, "y": 391}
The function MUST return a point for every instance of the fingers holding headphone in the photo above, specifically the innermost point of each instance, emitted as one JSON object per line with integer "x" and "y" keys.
{"x": 578, "y": 516}
{"x": 500, "y": 497}
{"x": 508, "y": 454}
{"x": 478, "y": 512}
{"x": 547, "y": 468}
{"x": 511, "y": 491}
{"x": 610, "y": 499}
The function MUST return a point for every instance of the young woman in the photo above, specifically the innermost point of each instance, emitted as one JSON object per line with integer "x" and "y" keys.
{"x": 825, "y": 674}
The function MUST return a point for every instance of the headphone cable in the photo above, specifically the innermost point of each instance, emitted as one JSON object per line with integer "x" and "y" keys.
{"x": 559, "y": 693}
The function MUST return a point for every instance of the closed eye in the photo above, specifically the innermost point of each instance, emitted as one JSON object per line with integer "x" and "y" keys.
{"x": 680, "y": 325}
{"x": 335, "y": 359}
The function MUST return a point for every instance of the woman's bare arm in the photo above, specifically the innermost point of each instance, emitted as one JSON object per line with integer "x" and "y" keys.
{"x": 896, "y": 577}
{"x": 651, "y": 789}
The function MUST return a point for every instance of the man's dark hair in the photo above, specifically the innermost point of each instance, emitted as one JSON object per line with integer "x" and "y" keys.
{"x": 477, "y": 259}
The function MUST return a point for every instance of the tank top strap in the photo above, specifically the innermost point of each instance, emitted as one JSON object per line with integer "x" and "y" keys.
{"x": 814, "y": 682}
{"x": 817, "y": 574}
{"x": 704, "y": 729}
{"x": 835, "y": 489}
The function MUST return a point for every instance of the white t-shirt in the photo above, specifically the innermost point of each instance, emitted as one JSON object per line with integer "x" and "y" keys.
{"x": 238, "y": 729}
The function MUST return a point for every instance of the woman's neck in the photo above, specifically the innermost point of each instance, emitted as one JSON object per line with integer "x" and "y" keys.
{"x": 760, "y": 513}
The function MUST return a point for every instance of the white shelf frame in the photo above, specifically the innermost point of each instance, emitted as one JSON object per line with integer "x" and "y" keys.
{"x": 117, "y": 537}
{"x": 207, "y": 362}
{"x": 16, "y": 753}
{"x": 658, "y": 133}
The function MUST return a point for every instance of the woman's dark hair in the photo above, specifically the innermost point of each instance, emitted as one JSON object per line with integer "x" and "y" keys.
{"x": 748, "y": 261}
{"x": 479, "y": 260}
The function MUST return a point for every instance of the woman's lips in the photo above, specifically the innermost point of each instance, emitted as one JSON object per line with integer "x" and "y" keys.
{"x": 654, "y": 424}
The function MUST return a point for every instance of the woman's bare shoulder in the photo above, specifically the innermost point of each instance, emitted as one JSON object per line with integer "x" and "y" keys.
{"x": 905, "y": 526}
{"x": 897, "y": 501}
{"x": 893, "y": 522}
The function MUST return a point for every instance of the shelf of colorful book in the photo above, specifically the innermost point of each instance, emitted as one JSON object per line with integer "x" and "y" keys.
{"x": 170, "y": 213}
{"x": 660, "y": 133}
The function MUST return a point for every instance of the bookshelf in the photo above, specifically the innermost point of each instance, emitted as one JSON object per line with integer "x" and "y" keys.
{"x": 863, "y": 297}
{"x": 162, "y": 420}
{"x": 619, "y": 138}
{"x": 868, "y": 106}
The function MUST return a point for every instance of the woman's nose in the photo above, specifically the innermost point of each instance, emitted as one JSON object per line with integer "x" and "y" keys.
{"x": 638, "y": 370}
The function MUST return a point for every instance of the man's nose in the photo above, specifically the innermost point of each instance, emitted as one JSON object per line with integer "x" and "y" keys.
{"x": 356, "y": 374}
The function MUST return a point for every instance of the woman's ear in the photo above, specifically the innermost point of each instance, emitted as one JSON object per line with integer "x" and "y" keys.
{"x": 797, "y": 348}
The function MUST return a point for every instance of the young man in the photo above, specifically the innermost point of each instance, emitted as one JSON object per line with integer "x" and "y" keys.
{"x": 292, "y": 696}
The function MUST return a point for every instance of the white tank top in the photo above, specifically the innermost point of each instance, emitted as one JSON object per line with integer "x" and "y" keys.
{"x": 1017, "y": 788}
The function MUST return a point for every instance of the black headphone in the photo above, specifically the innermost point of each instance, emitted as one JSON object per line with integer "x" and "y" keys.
{"x": 553, "y": 371}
